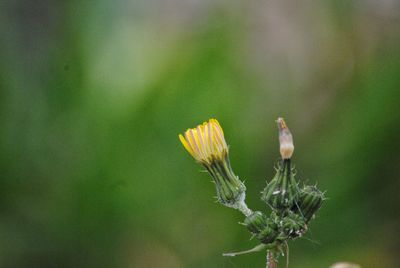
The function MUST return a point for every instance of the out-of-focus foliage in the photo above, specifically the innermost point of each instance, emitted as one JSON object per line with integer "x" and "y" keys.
{"x": 93, "y": 95}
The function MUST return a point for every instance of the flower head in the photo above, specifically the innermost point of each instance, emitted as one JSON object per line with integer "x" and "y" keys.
{"x": 207, "y": 145}
{"x": 206, "y": 142}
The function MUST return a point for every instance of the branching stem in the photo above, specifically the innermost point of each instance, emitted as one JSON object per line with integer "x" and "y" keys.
{"x": 255, "y": 249}
{"x": 242, "y": 207}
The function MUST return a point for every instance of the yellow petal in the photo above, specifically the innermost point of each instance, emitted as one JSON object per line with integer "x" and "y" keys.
{"x": 191, "y": 138}
{"x": 186, "y": 145}
{"x": 205, "y": 142}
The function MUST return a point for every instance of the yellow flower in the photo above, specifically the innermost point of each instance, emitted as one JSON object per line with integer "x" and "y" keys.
{"x": 207, "y": 145}
{"x": 206, "y": 142}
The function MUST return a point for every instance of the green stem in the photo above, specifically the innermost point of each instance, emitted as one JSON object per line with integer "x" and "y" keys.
{"x": 255, "y": 249}
{"x": 242, "y": 207}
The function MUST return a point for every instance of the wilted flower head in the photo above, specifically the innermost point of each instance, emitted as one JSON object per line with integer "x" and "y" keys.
{"x": 206, "y": 142}
{"x": 285, "y": 139}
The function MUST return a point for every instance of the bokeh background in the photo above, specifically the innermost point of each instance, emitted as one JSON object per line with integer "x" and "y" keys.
{"x": 93, "y": 95}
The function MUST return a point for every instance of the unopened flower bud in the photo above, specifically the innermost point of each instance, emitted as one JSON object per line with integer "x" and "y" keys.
{"x": 293, "y": 225}
{"x": 207, "y": 145}
{"x": 256, "y": 222}
{"x": 265, "y": 229}
{"x": 285, "y": 139}
{"x": 310, "y": 200}
{"x": 269, "y": 233}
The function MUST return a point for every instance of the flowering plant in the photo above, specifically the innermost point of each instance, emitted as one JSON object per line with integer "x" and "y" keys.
{"x": 291, "y": 207}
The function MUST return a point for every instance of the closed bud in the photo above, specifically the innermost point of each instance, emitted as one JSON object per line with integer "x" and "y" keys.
{"x": 310, "y": 200}
{"x": 293, "y": 225}
{"x": 269, "y": 233}
{"x": 265, "y": 229}
{"x": 282, "y": 191}
{"x": 256, "y": 222}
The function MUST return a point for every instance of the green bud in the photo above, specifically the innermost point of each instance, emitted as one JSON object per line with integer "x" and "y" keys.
{"x": 256, "y": 222}
{"x": 269, "y": 233}
{"x": 310, "y": 200}
{"x": 265, "y": 229}
{"x": 282, "y": 192}
{"x": 293, "y": 225}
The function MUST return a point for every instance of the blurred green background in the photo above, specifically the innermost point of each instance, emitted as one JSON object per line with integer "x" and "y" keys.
{"x": 93, "y": 95}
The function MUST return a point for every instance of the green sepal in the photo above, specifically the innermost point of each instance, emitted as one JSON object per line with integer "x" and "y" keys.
{"x": 230, "y": 190}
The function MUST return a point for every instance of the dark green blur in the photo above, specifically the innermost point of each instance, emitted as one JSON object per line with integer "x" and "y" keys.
{"x": 93, "y": 95}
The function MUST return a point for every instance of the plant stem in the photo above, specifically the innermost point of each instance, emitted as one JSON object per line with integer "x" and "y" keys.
{"x": 244, "y": 209}
{"x": 255, "y": 249}
{"x": 271, "y": 263}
